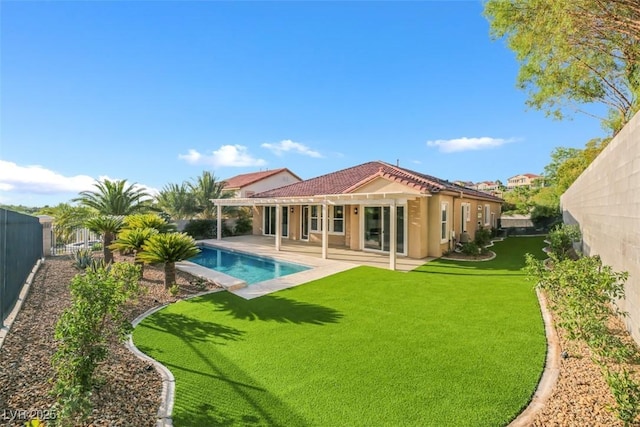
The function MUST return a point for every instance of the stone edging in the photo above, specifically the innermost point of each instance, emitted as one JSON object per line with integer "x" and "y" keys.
{"x": 167, "y": 395}
{"x": 5, "y": 327}
{"x": 550, "y": 373}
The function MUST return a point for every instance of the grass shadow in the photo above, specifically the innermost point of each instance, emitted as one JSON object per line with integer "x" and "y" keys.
{"x": 188, "y": 328}
{"x": 273, "y": 308}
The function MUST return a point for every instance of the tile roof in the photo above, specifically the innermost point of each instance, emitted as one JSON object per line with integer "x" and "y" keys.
{"x": 245, "y": 179}
{"x": 348, "y": 180}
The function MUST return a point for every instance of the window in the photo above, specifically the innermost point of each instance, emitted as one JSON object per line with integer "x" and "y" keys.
{"x": 444, "y": 221}
{"x": 487, "y": 214}
{"x": 466, "y": 215}
{"x": 316, "y": 224}
{"x": 337, "y": 219}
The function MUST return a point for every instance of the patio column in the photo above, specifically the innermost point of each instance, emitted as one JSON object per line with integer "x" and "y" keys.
{"x": 278, "y": 226}
{"x": 325, "y": 230}
{"x": 218, "y": 221}
{"x": 392, "y": 235}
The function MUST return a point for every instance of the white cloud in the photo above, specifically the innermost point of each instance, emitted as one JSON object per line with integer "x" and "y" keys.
{"x": 289, "y": 145}
{"x": 39, "y": 180}
{"x": 226, "y": 155}
{"x": 467, "y": 144}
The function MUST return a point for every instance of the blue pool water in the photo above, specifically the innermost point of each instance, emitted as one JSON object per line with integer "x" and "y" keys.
{"x": 250, "y": 268}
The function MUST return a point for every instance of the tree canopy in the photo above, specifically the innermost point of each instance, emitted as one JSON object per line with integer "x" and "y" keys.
{"x": 115, "y": 198}
{"x": 574, "y": 53}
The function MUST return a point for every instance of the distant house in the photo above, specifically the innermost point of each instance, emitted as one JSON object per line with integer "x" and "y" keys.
{"x": 375, "y": 207}
{"x": 487, "y": 186}
{"x": 524, "y": 180}
{"x": 467, "y": 184}
{"x": 248, "y": 184}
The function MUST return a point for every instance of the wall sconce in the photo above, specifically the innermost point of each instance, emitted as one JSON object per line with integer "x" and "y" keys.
{"x": 291, "y": 209}
{"x": 355, "y": 210}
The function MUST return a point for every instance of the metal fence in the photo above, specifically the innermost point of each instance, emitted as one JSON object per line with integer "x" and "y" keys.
{"x": 20, "y": 249}
{"x": 70, "y": 242}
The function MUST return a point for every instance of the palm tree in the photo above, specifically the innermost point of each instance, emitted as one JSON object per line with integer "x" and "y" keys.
{"x": 148, "y": 220}
{"x": 167, "y": 249}
{"x": 205, "y": 188}
{"x": 115, "y": 198}
{"x": 108, "y": 226}
{"x": 66, "y": 219}
{"x": 178, "y": 201}
{"x": 132, "y": 239}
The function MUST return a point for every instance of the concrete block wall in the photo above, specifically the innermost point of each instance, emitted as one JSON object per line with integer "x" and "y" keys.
{"x": 605, "y": 202}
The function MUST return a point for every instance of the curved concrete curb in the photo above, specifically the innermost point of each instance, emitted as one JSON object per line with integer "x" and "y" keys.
{"x": 168, "y": 381}
{"x": 167, "y": 395}
{"x": 5, "y": 327}
{"x": 551, "y": 369}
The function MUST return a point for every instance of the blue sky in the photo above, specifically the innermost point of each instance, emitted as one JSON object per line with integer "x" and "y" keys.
{"x": 157, "y": 92}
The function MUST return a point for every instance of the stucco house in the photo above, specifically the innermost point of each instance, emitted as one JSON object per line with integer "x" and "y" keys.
{"x": 524, "y": 180}
{"x": 248, "y": 184}
{"x": 373, "y": 206}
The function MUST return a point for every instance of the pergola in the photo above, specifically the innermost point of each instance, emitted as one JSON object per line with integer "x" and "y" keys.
{"x": 391, "y": 199}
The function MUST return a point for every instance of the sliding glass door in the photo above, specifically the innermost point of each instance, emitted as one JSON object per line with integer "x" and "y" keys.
{"x": 377, "y": 228}
{"x": 269, "y": 221}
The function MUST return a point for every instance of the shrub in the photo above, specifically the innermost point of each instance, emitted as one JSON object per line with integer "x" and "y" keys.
{"x": 96, "y": 314}
{"x": 544, "y": 216}
{"x": 201, "y": 228}
{"x": 244, "y": 225}
{"x": 561, "y": 240}
{"x": 583, "y": 294}
{"x": 483, "y": 237}
{"x": 471, "y": 248}
{"x": 174, "y": 289}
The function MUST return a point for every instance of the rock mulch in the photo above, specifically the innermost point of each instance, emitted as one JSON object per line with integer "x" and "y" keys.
{"x": 129, "y": 393}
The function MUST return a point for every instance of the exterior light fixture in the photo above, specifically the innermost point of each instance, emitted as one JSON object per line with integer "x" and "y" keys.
{"x": 291, "y": 209}
{"x": 355, "y": 210}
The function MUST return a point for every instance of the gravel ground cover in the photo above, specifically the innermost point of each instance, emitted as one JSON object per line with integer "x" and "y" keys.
{"x": 129, "y": 390}
{"x": 129, "y": 393}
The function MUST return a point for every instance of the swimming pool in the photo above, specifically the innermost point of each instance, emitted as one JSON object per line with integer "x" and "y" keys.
{"x": 250, "y": 268}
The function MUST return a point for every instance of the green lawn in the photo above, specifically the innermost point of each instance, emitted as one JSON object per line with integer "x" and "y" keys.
{"x": 449, "y": 344}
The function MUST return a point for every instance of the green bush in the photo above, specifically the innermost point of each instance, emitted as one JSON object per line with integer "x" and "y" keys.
{"x": 244, "y": 225}
{"x": 483, "y": 237}
{"x": 83, "y": 331}
{"x": 471, "y": 248}
{"x": 561, "y": 239}
{"x": 205, "y": 229}
{"x": 545, "y": 216}
{"x": 583, "y": 295}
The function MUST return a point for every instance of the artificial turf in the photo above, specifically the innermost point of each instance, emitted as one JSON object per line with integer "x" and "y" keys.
{"x": 450, "y": 344}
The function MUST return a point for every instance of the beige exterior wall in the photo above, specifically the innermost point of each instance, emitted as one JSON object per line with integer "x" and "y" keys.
{"x": 274, "y": 181}
{"x": 605, "y": 202}
{"x": 417, "y": 230}
{"x": 423, "y": 233}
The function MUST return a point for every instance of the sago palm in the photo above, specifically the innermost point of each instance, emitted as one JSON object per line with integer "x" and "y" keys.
{"x": 148, "y": 220}
{"x": 115, "y": 198}
{"x": 108, "y": 226}
{"x": 167, "y": 249}
{"x": 132, "y": 239}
